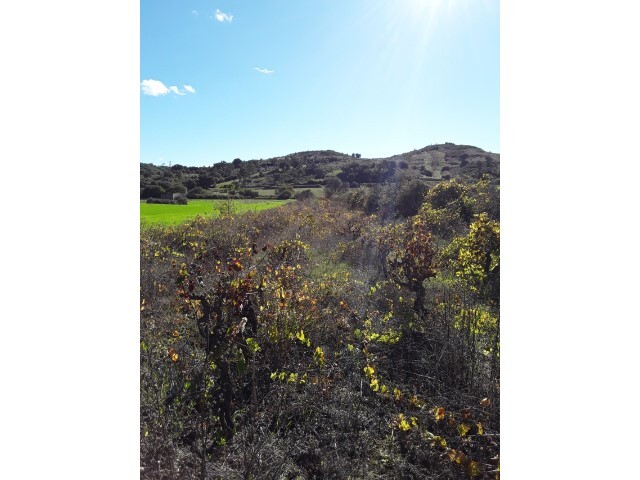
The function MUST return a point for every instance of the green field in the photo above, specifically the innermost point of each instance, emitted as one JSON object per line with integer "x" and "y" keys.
{"x": 153, "y": 213}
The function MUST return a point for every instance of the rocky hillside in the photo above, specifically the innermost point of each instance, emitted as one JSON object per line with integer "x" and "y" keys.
{"x": 313, "y": 169}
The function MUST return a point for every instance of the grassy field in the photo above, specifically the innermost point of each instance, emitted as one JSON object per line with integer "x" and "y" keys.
{"x": 152, "y": 213}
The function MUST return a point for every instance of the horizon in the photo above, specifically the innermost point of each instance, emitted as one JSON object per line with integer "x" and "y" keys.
{"x": 222, "y": 80}
{"x": 164, "y": 164}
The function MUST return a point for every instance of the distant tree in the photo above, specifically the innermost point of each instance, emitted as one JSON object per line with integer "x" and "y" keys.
{"x": 176, "y": 189}
{"x": 207, "y": 181}
{"x": 152, "y": 191}
{"x": 284, "y": 165}
{"x": 236, "y": 162}
{"x": 248, "y": 193}
{"x": 181, "y": 199}
{"x": 195, "y": 192}
{"x": 332, "y": 186}
{"x": 303, "y": 195}
{"x": 283, "y": 193}
{"x": 410, "y": 196}
{"x": 403, "y": 165}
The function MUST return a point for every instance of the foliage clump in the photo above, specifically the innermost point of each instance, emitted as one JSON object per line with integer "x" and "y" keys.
{"x": 324, "y": 339}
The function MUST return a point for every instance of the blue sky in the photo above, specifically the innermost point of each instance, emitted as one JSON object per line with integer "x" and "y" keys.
{"x": 253, "y": 79}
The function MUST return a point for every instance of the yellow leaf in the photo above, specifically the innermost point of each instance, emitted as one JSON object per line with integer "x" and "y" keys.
{"x": 439, "y": 441}
{"x": 463, "y": 429}
{"x": 173, "y": 355}
{"x": 473, "y": 469}
{"x": 461, "y": 458}
{"x": 404, "y": 425}
{"x": 480, "y": 428}
{"x": 452, "y": 454}
{"x": 374, "y": 384}
{"x": 397, "y": 394}
{"x": 438, "y": 413}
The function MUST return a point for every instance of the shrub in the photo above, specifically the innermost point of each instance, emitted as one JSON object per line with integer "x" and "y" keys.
{"x": 196, "y": 192}
{"x": 283, "y": 195}
{"x": 165, "y": 201}
{"x": 180, "y": 199}
{"x": 332, "y": 186}
{"x": 410, "y": 195}
{"x": 248, "y": 193}
{"x": 176, "y": 189}
{"x": 303, "y": 195}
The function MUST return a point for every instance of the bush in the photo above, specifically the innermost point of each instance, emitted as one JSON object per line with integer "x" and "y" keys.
{"x": 248, "y": 193}
{"x": 164, "y": 201}
{"x": 196, "y": 192}
{"x": 410, "y": 196}
{"x": 283, "y": 195}
{"x": 332, "y": 186}
{"x": 177, "y": 189}
{"x": 303, "y": 195}
{"x": 180, "y": 199}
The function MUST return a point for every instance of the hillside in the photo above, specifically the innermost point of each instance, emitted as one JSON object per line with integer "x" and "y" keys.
{"x": 313, "y": 169}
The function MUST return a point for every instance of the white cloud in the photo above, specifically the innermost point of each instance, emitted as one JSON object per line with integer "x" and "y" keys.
{"x": 195, "y": 12}
{"x": 223, "y": 17}
{"x": 154, "y": 88}
{"x": 175, "y": 90}
{"x": 266, "y": 71}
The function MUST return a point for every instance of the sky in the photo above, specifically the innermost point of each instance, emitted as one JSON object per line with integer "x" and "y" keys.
{"x": 226, "y": 79}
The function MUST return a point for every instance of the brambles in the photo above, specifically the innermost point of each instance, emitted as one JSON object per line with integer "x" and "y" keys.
{"x": 317, "y": 341}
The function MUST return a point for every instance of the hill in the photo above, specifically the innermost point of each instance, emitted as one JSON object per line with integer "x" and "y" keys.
{"x": 313, "y": 169}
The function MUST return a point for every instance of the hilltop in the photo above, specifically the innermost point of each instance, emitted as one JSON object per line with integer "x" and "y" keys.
{"x": 312, "y": 170}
